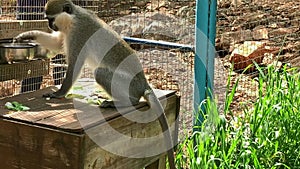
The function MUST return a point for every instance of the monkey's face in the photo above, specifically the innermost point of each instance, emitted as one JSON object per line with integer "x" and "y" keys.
{"x": 59, "y": 14}
{"x": 61, "y": 22}
{"x": 51, "y": 23}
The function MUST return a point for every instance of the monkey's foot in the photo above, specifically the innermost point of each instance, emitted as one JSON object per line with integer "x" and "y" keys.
{"x": 53, "y": 95}
{"x": 107, "y": 104}
{"x": 115, "y": 104}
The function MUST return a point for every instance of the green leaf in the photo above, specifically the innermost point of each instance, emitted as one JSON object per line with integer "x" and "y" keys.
{"x": 77, "y": 96}
{"x": 16, "y": 106}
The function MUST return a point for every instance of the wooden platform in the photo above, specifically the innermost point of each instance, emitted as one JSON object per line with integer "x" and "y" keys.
{"x": 51, "y": 135}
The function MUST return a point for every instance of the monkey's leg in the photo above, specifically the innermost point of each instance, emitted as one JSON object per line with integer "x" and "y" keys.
{"x": 122, "y": 97}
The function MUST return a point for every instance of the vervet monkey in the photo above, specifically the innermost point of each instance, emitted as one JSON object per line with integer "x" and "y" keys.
{"x": 116, "y": 62}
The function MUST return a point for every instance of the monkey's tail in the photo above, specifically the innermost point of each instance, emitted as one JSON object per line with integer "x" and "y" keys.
{"x": 158, "y": 108}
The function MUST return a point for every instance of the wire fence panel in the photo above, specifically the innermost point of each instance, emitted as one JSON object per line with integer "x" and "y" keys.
{"x": 266, "y": 32}
{"x": 17, "y": 16}
{"x": 163, "y": 32}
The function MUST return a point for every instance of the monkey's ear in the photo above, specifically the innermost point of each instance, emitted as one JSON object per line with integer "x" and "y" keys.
{"x": 67, "y": 8}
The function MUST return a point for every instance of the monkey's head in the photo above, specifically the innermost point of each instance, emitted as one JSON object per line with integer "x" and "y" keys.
{"x": 59, "y": 14}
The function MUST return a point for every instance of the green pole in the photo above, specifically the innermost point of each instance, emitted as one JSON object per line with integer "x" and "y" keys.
{"x": 205, "y": 54}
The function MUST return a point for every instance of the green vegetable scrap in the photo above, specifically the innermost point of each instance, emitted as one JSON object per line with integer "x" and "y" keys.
{"x": 16, "y": 106}
{"x": 73, "y": 96}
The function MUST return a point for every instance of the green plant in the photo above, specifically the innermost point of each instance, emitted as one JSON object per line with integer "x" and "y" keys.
{"x": 268, "y": 136}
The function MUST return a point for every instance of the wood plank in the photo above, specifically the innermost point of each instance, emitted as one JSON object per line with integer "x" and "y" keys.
{"x": 39, "y": 111}
{"x": 162, "y": 162}
{"x": 32, "y": 147}
{"x": 29, "y": 97}
{"x": 158, "y": 164}
{"x": 108, "y": 138}
{"x": 62, "y": 113}
{"x": 154, "y": 165}
{"x": 40, "y": 107}
{"x": 92, "y": 115}
{"x": 45, "y": 136}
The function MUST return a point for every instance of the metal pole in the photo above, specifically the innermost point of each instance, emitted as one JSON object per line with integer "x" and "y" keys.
{"x": 205, "y": 54}
{"x": 162, "y": 44}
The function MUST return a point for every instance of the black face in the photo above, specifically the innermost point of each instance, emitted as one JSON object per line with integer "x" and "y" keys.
{"x": 54, "y": 8}
{"x": 51, "y": 23}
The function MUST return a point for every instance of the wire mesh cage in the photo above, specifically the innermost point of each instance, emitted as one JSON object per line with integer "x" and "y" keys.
{"x": 266, "y": 32}
{"x": 17, "y": 16}
{"x": 34, "y": 9}
{"x": 162, "y": 31}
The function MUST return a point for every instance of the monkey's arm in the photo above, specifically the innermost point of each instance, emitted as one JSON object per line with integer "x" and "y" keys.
{"x": 75, "y": 64}
{"x": 52, "y": 41}
{"x": 71, "y": 75}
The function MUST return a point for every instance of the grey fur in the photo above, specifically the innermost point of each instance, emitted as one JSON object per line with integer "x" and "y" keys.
{"x": 73, "y": 41}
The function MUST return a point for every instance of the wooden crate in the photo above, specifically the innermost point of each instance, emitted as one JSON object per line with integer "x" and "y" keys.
{"x": 51, "y": 136}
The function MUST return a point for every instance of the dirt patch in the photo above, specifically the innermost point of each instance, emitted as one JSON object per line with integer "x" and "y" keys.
{"x": 275, "y": 23}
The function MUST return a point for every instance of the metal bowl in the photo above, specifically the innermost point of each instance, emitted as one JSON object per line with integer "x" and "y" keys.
{"x": 17, "y": 52}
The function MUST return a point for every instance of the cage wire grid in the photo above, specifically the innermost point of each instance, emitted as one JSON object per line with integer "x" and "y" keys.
{"x": 170, "y": 21}
{"x": 266, "y": 32}
{"x": 243, "y": 28}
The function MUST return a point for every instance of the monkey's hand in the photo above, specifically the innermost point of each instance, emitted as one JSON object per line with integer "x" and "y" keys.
{"x": 57, "y": 95}
{"x": 29, "y": 35}
{"x": 52, "y": 41}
